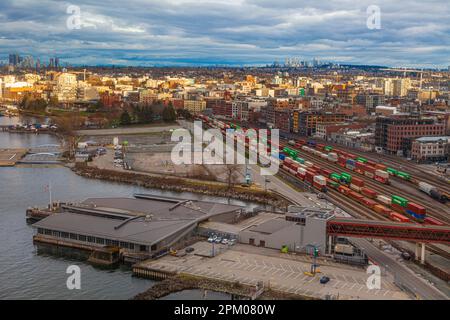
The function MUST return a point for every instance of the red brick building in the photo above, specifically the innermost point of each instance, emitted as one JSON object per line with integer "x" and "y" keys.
{"x": 110, "y": 100}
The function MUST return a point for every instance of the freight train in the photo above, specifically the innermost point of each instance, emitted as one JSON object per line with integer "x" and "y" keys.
{"x": 395, "y": 207}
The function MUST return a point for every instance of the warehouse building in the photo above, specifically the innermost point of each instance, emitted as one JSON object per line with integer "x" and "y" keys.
{"x": 144, "y": 224}
{"x": 299, "y": 230}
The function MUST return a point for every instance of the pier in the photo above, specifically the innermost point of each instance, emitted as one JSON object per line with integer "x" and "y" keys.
{"x": 10, "y": 157}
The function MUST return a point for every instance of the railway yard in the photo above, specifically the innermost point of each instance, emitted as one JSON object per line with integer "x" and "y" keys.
{"x": 368, "y": 186}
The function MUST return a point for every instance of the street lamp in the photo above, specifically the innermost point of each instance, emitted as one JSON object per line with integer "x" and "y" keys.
{"x": 266, "y": 181}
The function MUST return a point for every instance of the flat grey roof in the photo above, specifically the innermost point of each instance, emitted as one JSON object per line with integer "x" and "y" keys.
{"x": 160, "y": 208}
{"x": 271, "y": 226}
{"x": 98, "y": 217}
{"x": 136, "y": 231}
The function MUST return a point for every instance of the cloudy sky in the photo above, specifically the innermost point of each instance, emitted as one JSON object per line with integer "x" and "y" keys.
{"x": 413, "y": 33}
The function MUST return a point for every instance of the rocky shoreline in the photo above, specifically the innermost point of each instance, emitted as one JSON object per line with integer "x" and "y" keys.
{"x": 187, "y": 282}
{"x": 181, "y": 185}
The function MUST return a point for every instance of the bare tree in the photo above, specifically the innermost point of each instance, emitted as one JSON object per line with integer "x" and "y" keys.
{"x": 232, "y": 172}
{"x": 67, "y": 126}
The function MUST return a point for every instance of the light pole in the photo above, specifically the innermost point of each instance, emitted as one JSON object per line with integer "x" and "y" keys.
{"x": 266, "y": 181}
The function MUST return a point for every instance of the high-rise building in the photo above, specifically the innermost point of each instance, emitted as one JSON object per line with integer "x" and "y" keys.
{"x": 57, "y": 63}
{"x": 66, "y": 87}
{"x": 14, "y": 59}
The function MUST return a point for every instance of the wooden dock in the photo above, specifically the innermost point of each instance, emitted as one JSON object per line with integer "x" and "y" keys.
{"x": 10, "y": 157}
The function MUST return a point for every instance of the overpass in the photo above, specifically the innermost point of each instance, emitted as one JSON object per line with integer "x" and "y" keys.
{"x": 388, "y": 230}
{"x": 420, "y": 234}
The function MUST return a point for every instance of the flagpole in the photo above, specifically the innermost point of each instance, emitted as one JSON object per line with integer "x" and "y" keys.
{"x": 50, "y": 193}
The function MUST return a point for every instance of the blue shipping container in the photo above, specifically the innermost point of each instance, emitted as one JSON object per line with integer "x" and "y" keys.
{"x": 351, "y": 162}
{"x": 415, "y": 215}
{"x": 282, "y": 156}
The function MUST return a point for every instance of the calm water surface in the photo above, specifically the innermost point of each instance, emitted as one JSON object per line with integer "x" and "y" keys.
{"x": 26, "y": 275}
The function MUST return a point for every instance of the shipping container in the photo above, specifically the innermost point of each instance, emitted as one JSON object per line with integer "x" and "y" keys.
{"x": 325, "y": 172}
{"x": 403, "y": 175}
{"x": 332, "y": 184}
{"x": 355, "y": 195}
{"x": 380, "y": 166}
{"x": 332, "y": 157}
{"x": 415, "y": 215}
{"x": 399, "y": 217}
{"x": 355, "y": 187}
{"x": 360, "y": 159}
{"x": 416, "y": 208}
{"x": 432, "y": 221}
{"x": 378, "y": 208}
{"x": 399, "y": 200}
{"x": 336, "y": 177}
{"x": 320, "y": 180}
{"x": 368, "y": 202}
{"x": 358, "y": 182}
{"x": 344, "y": 190}
{"x": 384, "y": 199}
{"x": 368, "y": 193}
{"x": 392, "y": 171}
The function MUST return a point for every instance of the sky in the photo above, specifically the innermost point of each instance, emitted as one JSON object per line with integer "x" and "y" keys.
{"x": 412, "y": 33}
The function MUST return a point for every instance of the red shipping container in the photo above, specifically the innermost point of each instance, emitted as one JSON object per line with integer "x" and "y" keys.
{"x": 309, "y": 176}
{"x": 316, "y": 168}
{"x": 358, "y": 182}
{"x": 399, "y": 217}
{"x": 368, "y": 193}
{"x": 359, "y": 165}
{"x": 416, "y": 208}
{"x": 371, "y": 163}
{"x": 344, "y": 190}
{"x": 369, "y": 169}
{"x": 325, "y": 172}
{"x": 300, "y": 176}
{"x": 381, "y": 209}
{"x": 355, "y": 195}
{"x": 380, "y": 166}
{"x": 351, "y": 156}
{"x": 398, "y": 208}
{"x": 429, "y": 220}
{"x": 368, "y": 202}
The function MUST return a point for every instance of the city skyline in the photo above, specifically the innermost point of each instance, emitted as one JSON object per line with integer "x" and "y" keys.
{"x": 236, "y": 33}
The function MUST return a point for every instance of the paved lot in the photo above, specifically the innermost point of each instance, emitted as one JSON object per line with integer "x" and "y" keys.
{"x": 9, "y": 157}
{"x": 130, "y": 130}
{"x": 237, "y": 264}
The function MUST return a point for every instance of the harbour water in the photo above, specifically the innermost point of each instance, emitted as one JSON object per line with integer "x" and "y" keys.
{"x": 26, "y": 275}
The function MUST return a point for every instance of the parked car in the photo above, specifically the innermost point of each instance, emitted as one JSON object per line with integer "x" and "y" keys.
{"x": 324, "y": 279}
{"x": 218, "y": 240}
{"x": 210, "y": 239}
{"x": 224, "y": 241}
{"x": 189, "y": 249}
{"x": 232, "y": 242}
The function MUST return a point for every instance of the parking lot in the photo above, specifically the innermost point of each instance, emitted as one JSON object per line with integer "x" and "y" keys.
{"x": 237, "y": 263}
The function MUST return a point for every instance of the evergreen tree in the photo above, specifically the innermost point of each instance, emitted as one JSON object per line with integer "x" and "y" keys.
{"x": 125, "y": 118}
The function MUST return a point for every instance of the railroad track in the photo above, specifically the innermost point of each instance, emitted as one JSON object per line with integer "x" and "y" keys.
{"x": 435, "y": 209}
{"x": 358, "y": 210}
{"x": 392, "y": 161}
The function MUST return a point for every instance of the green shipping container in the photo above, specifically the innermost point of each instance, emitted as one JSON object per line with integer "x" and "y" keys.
{"x": 400, "y": 201}
{"x": 333, "y": 184}
{"x": 392, "y": 171}
{"x": 335, "y": 176}
{"x": 300, "y": 160}
{"x": 328, "y": 148}
{"x": 404, "y": 175}
{"x": 361, "y": 160}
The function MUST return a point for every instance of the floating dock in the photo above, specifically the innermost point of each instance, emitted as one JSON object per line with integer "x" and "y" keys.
{"x": 10, "y": 157}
